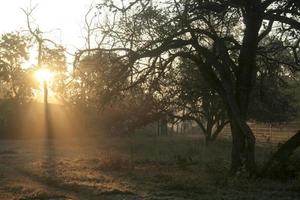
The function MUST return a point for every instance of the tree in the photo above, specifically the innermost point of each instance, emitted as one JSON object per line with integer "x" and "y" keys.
{"x": 224, "y": 38}
{"x": 98, "y": 91}
{"x": 50, "y": 55}
{"x": 194, "y": 100}
{"x": 94, "y": 78}
{"x": 273, "y": 99}
{"x": 16, "y": 80}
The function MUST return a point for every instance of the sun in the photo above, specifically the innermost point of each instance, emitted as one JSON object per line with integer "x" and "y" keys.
{"x": 43, "y": 75}
{"x": 45, "y": 78}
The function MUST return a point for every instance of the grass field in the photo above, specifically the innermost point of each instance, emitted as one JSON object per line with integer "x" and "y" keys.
{"x": 135, "y": 167}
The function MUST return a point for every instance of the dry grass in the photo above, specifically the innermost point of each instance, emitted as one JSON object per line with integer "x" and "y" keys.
{"x": 135, "y": 167}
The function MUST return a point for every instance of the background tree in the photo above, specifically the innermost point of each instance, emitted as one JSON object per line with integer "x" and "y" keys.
{"x": 99, "y": 90}
{"x": 273, "y": 99}
{"x": 50, "y": 55}
{"x": 16, "y": 80}
{"x": 194, "y": 100}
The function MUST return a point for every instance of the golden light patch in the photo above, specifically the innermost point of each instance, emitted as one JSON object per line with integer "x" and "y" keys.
{"x": 43, "y": 75}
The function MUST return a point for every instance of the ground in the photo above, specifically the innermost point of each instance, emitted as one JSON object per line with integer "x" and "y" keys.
{"x": 134, "y": 167}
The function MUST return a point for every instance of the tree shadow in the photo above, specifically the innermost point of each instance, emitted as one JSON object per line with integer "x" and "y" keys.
{"x": 50, "y": 152}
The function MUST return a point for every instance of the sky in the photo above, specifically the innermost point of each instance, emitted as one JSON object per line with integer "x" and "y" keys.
{"x": 61, "y": 19}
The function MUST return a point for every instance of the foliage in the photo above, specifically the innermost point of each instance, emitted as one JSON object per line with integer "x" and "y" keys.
{"x": 16, "y": 81}
{"x": 135, "y": 110}
{"x": 54, "y": 59}
{"x": 99, "y": 89}
{"x": 197, "y": 102}
{"x": 273, "y": 98}
{"x": 224, "y": 39}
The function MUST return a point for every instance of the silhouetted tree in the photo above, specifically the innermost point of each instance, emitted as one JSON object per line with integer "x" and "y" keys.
{"x": 192, "y": 99}
{"x": 99, "y": 89}
{"x": 50, "y": 55}
{"x": 224, "y": 38}
{"x": 16, "y": 83}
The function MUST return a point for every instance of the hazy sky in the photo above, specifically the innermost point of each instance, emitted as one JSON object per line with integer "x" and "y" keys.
{"x": 63, "y": 18}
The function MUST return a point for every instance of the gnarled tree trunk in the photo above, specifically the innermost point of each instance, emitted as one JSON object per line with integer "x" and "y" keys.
{"x": 277, "y": 165}
{"x": 243, "y": 139}
{"x": 243, "y": 148}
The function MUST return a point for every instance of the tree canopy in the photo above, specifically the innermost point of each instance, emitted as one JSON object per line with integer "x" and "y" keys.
{"x": 227, "y": 40}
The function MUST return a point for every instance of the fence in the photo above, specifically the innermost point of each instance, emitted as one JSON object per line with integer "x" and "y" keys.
{"x": 269, "y": 133}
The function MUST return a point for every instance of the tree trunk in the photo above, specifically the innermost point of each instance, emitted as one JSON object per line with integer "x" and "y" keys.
{"x": 243, "y": 137}
{"x": 211, "y": 134}
{"x": 243, "y": 147}
{"x": 238, "y": 148}
{"x": 250, "y": 156}
{"x": 277, "y": 165}
{"x": 208, "y": 139}
{"x": 208, "y": 134}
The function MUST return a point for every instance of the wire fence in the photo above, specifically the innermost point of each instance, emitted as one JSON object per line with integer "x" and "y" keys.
{"x": 266, "y": 133}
